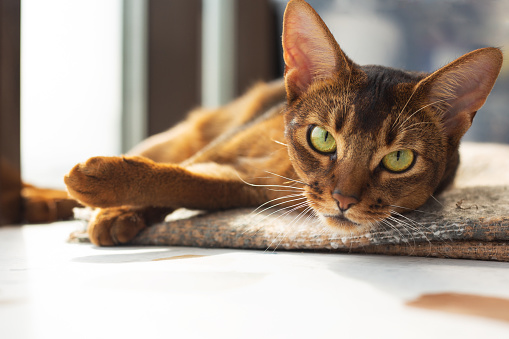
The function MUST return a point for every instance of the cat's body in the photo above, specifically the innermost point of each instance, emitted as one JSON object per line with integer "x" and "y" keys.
{"x": 225, "y": 159}
{"x": 354, "y": 144}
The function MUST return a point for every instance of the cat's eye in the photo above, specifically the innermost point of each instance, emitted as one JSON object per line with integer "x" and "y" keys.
{"x": 321, "y": 140}
{"x": 398, "y": 161}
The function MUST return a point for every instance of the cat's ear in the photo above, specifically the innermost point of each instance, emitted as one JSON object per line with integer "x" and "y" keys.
{"x": 310, "y": 50}
{"x": 460, "y": 88}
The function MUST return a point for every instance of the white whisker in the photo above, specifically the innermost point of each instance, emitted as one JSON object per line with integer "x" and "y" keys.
{"x": 263, "y": 185}
{"x": 412, "y": 209}
{"x": 285, "y": 190}
{"x": 280, "y": 143}
{"x": 403, "y": 109}
{"x": 409, "y": 227}
{"x": 420, "y": 109}
{"x": 292, "y": 208}
{"x": 296, "y": 207}
{"x": 437, "y": 200}
{"x": 279, "y": 204}
{"x": 393, "y": 227}
{"x": 408, "y": 128}
{"x": 417, "y": 227}
{"x": 276, "y": 199}
{"x": 290, "y": 225}
{"x": 289, "y": 179}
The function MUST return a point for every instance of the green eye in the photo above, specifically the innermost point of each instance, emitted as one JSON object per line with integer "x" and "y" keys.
{"x": 398, "y": 161}
{"x": 321, "y": 140}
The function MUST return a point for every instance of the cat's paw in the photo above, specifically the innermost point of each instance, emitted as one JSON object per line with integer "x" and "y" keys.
{"x": 106, "y": 181}
{"x": 115, "y": 226}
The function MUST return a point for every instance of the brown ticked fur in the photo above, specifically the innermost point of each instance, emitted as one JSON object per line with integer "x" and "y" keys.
{"x": 233, "y": 156}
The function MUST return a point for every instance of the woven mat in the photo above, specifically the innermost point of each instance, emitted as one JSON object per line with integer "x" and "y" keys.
{"x": 468, "y": 223}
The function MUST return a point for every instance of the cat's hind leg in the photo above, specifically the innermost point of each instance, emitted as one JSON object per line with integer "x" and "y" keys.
{"x": 42, "y": 205}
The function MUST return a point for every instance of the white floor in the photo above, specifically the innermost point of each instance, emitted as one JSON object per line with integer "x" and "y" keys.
{"x": 52, "y": 289}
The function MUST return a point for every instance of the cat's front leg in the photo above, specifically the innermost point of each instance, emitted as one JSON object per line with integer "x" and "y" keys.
{"x": 108, "y": 181}
{"x": 137, "y": 181}
{"x": 119, "y": 225}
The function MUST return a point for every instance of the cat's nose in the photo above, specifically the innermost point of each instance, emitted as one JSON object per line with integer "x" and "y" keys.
{"x": 344, "y": 202}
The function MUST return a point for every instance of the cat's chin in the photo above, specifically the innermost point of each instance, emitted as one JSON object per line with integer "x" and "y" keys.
{"x": 342, "y": 225}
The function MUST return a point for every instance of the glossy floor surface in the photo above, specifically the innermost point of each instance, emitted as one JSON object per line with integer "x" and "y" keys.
{"x": 53, "y": 289}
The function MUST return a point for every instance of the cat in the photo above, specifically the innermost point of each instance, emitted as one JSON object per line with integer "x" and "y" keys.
{"x": 353, "y": 144}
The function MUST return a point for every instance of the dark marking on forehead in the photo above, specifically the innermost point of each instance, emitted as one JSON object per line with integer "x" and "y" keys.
{"x": 324, "y": 104}
{"x": 375, "y": 100}
{"x": 331, "y": 106}
{"x": 338, "y": 124}
{"x": 391, "y": 136}
{"x": 339, "y": 119}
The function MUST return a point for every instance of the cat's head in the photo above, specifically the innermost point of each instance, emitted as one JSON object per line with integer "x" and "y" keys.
{"x": 369, "y": 140}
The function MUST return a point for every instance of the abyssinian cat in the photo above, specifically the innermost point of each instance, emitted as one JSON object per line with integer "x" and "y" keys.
{"x": 355, "y": 143}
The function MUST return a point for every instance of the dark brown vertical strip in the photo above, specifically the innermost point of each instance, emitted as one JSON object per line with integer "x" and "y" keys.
{"x": 10, "y": 177}
{"x": 174, "y": 31}
{"x": 256, "y": 43}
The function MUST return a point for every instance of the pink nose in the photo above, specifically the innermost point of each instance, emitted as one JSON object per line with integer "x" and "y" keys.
{"x": 344, "y": 202}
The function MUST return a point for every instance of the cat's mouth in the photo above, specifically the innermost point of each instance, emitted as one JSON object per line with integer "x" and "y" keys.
{"x": 339, "y": 218}
{"x": 341, "y": 223}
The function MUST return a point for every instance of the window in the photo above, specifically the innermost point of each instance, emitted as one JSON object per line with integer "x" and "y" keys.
{"x": 71, "y": 62}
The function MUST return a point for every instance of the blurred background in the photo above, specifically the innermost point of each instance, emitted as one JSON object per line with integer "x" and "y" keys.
{"x": 98, "y": 76}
